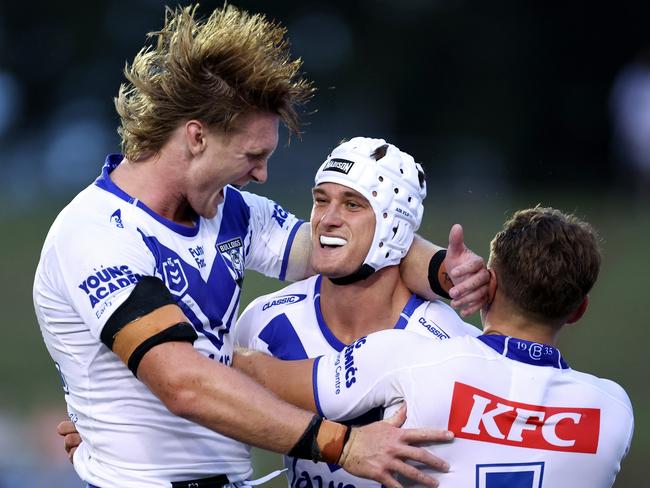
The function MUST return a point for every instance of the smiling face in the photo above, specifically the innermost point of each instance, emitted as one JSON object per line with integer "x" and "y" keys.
{"x": 233, "y": 158}
{"x": 342, "y": 229}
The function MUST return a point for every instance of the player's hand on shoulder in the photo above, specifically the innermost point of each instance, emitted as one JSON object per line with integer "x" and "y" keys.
{"x": 468, "y": 273}
{"x": 380, "y": 450}
{"x": 71, "y": 438}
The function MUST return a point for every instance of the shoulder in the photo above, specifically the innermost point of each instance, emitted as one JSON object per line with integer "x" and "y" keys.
{"x": 266, "y": 307}
{"x": 607, "y": 388}
{"x": 438, "y": 320}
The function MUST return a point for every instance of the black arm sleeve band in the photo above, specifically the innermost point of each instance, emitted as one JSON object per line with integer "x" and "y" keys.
{"x": 434, "y": 267}
{"x": 182, "y": 332}
{"x": 307, "y": 445}
{"x": 148, "y": 295}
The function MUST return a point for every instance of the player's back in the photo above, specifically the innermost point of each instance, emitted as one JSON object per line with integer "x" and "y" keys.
{"x": 522, "y": 418}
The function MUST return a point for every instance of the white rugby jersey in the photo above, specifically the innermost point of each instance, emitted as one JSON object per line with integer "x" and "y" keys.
{"x": 98, "y": 248}
{"x": 522, "y": 418}
{"x": 288, "y": 324}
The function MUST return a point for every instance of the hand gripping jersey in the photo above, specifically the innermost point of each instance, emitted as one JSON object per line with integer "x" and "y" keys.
{"x": 288, "y": 324}
{"x": 98, "y": 248}
{"x": 522, "y": 418}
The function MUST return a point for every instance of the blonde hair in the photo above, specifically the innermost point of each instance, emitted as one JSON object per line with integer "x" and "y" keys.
{"x": 210, "y": 70}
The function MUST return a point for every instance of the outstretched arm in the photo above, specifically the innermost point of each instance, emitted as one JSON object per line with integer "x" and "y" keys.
{"x": 463, "y": 273}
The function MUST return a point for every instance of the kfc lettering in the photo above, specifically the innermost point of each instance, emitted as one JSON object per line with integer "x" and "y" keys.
{"x": 481, "y": 416}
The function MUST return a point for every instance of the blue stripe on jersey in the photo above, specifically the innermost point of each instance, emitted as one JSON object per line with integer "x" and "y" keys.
{"x": 287, "y": 249}
{"x": 525, "y": 351}
{"x": 282, "y": 339}
{"x": 413, "y": 303}
{"x": 220, "y": 294}
{"x": 314, "y": 383}
{"x": 105, "y": 183}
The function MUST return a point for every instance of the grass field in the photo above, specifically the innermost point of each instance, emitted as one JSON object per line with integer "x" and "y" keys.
{"x": 609, "y": 341}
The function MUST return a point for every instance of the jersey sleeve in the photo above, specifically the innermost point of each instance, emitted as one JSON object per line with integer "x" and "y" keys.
{"x": 95, "y": 268}
{"x": 273, "y": 230}
{"x": 362, "y": 376}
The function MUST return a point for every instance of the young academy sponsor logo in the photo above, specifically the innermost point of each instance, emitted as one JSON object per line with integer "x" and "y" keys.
{"x": 106, "y": 281}
{"x": 280, "y": 215}
{"x": 481, "y": 416}
{"x": 339, "y": 165}
{"x": 284, "y": 300}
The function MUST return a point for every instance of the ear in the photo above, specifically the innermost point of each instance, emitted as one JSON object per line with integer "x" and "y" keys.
{"x": 579, "y": 312}
{"x": 195, "y": 135}
{"x": 492, "y": 287}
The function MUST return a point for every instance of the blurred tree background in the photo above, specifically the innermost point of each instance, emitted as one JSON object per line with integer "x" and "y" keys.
{"x": 506, "y": 104}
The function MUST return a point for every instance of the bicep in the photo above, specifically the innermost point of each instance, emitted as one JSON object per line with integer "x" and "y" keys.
{"x": 299, "y": 263}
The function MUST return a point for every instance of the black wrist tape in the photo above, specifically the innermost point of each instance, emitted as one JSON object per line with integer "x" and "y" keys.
{"x": 434, "y": 269}
{"x": 307, "y": 445}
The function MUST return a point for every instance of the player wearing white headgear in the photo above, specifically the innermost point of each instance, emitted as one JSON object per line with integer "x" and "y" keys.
{"x": 522, "y": 418}
{"x": 367, "y": 206}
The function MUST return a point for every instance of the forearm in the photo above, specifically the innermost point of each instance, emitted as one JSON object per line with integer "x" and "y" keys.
{"x": 415, "y": 270}
{"x": 221, "y": 398}
{"x": 289, "y": 380}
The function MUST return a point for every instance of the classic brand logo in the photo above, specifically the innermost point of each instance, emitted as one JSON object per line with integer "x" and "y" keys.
{"x": 339, "y": 165}
{"x": 285, "y": 299}
{"x": 481, "y": 416}
{"x": 116, "y": 218}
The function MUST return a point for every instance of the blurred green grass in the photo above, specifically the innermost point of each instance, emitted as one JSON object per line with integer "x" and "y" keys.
{"x": 608, "y": 342}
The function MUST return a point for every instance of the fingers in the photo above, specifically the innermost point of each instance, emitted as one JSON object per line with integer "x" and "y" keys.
{"x": 398, "y": 418}
{"x": 456, "y": 241}
{"x": 472, "y": 265}
{"x": 413, "y": 473}
{"x": 426, "y": 436}
{"x": 66, "y": 427}
{"x": 477, "y": 281}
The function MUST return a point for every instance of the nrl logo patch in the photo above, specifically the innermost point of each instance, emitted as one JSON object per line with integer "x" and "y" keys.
{"x": 175, "y": 278}
{"x": 232, "y": 252}
{"x": 339, "y": 165}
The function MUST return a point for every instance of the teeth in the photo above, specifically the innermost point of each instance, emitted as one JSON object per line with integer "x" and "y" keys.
{"x": 332, "y": 241}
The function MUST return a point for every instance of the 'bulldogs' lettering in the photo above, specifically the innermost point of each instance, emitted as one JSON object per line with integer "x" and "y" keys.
{"x": 482, "y": 416}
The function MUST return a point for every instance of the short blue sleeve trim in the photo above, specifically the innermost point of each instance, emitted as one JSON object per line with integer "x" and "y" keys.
{"x": 287, "y": 250}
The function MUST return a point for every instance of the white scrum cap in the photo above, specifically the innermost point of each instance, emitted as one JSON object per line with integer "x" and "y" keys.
{"x": 394, "y": 185}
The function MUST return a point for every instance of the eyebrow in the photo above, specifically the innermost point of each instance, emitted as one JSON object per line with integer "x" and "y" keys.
{"x": 346, "y": 194}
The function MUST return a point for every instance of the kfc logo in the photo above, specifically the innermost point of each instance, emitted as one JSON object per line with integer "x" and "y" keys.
{"x": 481, "y": 416}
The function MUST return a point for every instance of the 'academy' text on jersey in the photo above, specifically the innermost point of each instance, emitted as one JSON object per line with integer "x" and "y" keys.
{"x": 481, "y": 416}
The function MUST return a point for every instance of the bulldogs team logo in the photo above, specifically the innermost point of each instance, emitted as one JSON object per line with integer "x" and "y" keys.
{"x": 232, "y": 252}
{"x": 174, "y": 276}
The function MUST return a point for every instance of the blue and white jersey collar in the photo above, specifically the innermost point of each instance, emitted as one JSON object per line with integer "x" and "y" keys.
{"x": 105, "y": 183}
{"x": 413, "y": 303}
{"x": 525, "y": 351}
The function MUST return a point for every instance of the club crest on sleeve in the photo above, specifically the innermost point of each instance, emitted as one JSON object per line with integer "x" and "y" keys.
{"x": 232, "y": 252}
{"x": 174, "y": 276}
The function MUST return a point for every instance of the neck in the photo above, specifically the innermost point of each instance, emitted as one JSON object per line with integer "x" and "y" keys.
{"x": 355, "y": 310}
{"x": 505, "y": 319}
{"x": 157, "y": 182}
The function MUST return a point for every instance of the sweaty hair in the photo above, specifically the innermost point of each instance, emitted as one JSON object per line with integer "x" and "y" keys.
{"x": 210, "y": 70}
{"x": 546, "y": 262}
